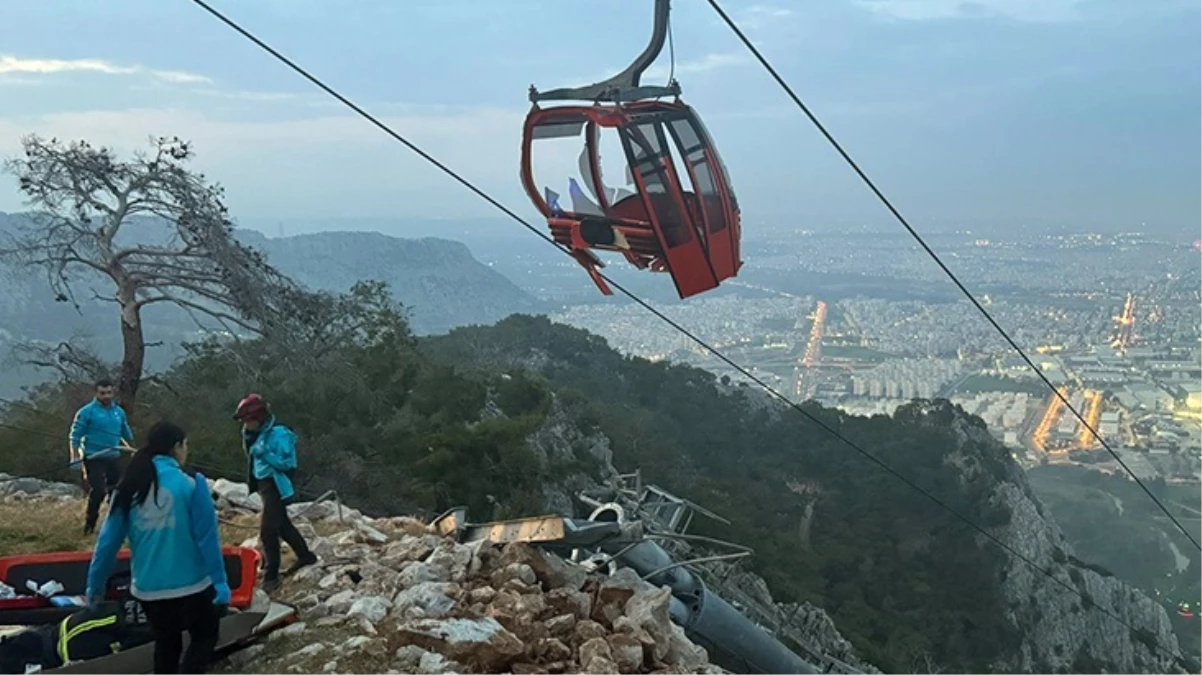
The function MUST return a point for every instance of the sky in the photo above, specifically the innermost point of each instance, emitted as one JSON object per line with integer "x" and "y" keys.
{"x": 1082, "y": 114}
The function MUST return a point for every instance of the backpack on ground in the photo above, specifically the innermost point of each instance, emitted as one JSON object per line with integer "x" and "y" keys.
{"x": 89, "y": 633}
{"x": 102, "y": 630}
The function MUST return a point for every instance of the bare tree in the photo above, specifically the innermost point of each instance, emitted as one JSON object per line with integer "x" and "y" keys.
{"x": 82, "y": 198}
{"x": 74, "y": 362}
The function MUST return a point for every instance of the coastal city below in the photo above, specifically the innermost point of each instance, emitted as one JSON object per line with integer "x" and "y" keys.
{"x": 1113, "y": 322}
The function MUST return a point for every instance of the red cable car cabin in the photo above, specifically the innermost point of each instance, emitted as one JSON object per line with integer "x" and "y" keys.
{"x": 658, "y": 224}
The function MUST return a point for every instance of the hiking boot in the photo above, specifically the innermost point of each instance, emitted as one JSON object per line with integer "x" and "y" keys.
{"x": 301, "y": 563}
{"x": 270, "y": 584}
{"x": 89, "y": 527}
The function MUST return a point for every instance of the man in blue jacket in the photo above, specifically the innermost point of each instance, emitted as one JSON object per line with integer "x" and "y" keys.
{"x": 271, "y": 455}
{"x": 96, "y": 435}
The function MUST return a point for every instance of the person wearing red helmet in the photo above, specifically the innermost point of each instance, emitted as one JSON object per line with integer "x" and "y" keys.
{"x": 271, "y": 454}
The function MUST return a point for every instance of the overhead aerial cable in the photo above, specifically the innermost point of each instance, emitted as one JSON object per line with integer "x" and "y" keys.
{"x": 934, "y": 256}
{"x": 663, "y": 317}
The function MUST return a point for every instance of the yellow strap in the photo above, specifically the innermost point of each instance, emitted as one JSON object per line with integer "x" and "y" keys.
{"x": 62, "y": 640}
{"x": 65, "y": 635}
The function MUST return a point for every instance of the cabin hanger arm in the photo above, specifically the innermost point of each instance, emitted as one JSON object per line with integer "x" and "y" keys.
{"x": 625, "y": 85}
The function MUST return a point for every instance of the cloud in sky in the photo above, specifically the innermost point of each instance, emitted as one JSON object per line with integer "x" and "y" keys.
{"x": 1072, "y": 111}
{"x": 34, "y": 66}
{"x": 658, "y": 73}
{"x": 1035, "y": 11}
{"x": 304, "y": 163}
{"x": 705, "y": 64}
{"x": 1029, "y": 11}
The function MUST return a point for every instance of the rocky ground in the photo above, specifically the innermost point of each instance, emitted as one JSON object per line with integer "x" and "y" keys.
{"x": 389, "y": 596}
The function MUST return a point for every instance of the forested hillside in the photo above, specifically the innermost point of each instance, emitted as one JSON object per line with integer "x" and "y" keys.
{"x": 402, "y": 424}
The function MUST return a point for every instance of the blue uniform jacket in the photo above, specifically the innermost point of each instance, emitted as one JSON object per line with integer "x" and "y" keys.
{"x": 100, "y": 428}
{"x": 172, "y": 538}
{"x": 272, "y": 455}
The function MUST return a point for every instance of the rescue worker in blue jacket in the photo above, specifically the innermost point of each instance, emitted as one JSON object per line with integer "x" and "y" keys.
{"x": 271, "y": 456}
{"x": 178, "y": 571}
{"x": 96, "y": 435}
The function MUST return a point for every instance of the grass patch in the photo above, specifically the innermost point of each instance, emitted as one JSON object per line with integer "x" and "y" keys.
{"x": 47, "y": 526}
{"x": 43, "y": 526}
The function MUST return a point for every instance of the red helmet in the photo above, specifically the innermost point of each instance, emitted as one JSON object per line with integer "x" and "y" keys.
{"x": 253, "y": 407}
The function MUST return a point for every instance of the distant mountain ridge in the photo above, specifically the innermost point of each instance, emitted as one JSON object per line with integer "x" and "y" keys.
{"x": 439, "y": 281}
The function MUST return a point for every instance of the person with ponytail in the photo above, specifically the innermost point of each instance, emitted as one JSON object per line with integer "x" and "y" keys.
{"x": 176, "y": 561}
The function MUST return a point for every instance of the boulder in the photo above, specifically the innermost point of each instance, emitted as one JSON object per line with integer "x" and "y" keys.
{"x": 410, "y": 549}
{"x": 428, "y": 599}
{"x": 451, "y": 559}
{"x": 287, "y": 631}
{"x": 32, "y": 486}
{"x": 418, "y": 572}
{"x": 373, "y": 608}
{"x": 561, "y": 625}
{"x": 682, "y": 652}
{"x": 341, "y": 602}
{"x": 482, "y": 594}
{"x": 568, "y": 601}
{"x": 514, "y": 571}
{"x": 613, "y": 593}
{"x": 552, "y": 649}
{"x": 237, "y": 495}
{"x": 479, "y": 643}
{"x": 243, "y": 658}
{"x": 648, "y": 610}
{"x": 314, "y": 511}
{"x": 600, "y": 665}
{"x": 627, "y": 652}
{"x": 587, "y": 630}
{"x": 369, "y": 533}
{"x": 550, "y": 570}
{"x": 594, "y": 648}
{"x": 436, "y": 664}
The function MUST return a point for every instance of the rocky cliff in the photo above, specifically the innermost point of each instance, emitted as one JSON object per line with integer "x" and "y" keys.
{"x": 1061, "y": 630}
{"x": 906, "y": 581}
{"x": 1102, "y": 624}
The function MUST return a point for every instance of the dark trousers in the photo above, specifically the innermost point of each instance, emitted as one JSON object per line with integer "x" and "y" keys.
{"x": 274, "y": 524}
{"x": 169, "y": 619}
{"x": 102, "y": 475}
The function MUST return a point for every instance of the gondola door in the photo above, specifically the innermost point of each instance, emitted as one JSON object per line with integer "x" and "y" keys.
{"x": 716, "y": 207}
{"x": 653, "y": 171}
